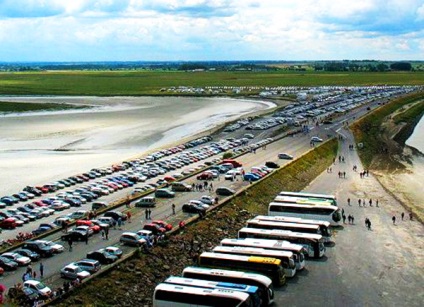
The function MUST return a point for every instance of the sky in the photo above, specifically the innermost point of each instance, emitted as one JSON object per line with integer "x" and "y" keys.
{"x": 198, "y": 30}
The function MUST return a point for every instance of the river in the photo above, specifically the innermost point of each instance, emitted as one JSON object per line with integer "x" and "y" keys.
{"x": 416, "y": 140}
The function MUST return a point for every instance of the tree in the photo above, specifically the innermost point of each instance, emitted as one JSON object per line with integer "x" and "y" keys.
{"x": 402, "y": 66}
{"x": 382, "y": 67}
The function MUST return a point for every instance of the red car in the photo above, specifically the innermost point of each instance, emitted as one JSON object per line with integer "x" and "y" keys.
{"x": 205, "y": 176}
{"x": 163, "y": 224}
{"x": 154, "y": 228}
{"x": 94, "y": 227}
{"x": 42, "y": 189}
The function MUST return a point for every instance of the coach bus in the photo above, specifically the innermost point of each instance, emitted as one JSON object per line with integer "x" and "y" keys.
{"x": 327, "y": 197}
{"x": 270, "y": 267}
{"x": 323, "y": 225}
{"x": 306, "y": 228}
{"x": 329, "y": 214}
{"x": 287, "y": 260}
{"x": 253, "y": 291}
{"x": 297, "y": 249}
{"x": 312, "y": 242}
{"x": 167, "y": 295}
{"x": 302, "y": 201}
{"x": 264, "y": 283}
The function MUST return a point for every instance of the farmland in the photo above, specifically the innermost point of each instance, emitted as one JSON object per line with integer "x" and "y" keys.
{"x": 139, "y": 83}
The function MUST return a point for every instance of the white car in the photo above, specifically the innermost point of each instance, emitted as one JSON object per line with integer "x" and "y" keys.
{"x": 19, "y": 259}
{"x": 73, "y": 271}
{"x": 285, "y": 156}
{"x": 208, "y": 200}
{"x": 84, "y": 229}
{"x": 38, "y": 287}
{"x": 199, "y": 203}
{"x": 315, "y": 139}
{"x": 57, "y": 248}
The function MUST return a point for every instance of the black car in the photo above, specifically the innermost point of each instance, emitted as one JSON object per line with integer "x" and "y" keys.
{"x": 28, "y": 253}
{"x": 116, "y": 215}
{"x": 193, "y": 208}
{"x": 74, "y": 235}
{"x": 8, "y": 265}
{"x": 102, "y": 256}
{"x": 224, "y": 191}
{"x": 33, "y": 190}
{"x": 271, "y": 164}
{"x": 40, "y": 248}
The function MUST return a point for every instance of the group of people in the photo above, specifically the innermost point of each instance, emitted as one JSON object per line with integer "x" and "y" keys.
{"x": 205, "y": 186}
{"x": 148, "y": 214}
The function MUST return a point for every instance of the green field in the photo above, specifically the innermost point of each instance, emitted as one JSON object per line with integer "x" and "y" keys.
{"x": 150, "y": 82}
{"x": 9, "y": 107}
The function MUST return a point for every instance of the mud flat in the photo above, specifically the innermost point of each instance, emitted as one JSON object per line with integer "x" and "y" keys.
{"x": 39, "y": 147}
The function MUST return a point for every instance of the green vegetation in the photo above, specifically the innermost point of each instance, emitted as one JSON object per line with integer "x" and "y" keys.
{"x": 136, "y": 83}
{"x": 133, "y": 282}
{"x": 18, "y": 107}
{"x": 376, "y": 140}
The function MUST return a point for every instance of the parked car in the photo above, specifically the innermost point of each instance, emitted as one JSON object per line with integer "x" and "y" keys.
{"x": 163, "y": 224}
{"x": 316, "y": 139}
{"x": 285, "y": 156}
{"x": 39, "y": 287}
{"x": 98, "y": 205}
{"x": 73, "y": 271}
{"x": 272, "y": 164}
{"x": 89, "y": 265}
{"x": 57, "y": 248}
{"x": 208, "y": 200}
{"x": 155, "y": 228}
{"x": 193, "y": 208}
{"x": 116, "y": 215}
{"x": 102, "y": 256}
{"x": 18, "y": 258}
{"x": 251, "y": 177}
{"x": 7, "y": 264}
{"x": 131, "y": 238}
{"x": 44, "y": 250}
{"x": 88, "y": 223}
{"x": 28, "y": 253}
{"x": 147, "y": 201}
{"x": 224, "y": 191}
{"x": 8, "y": 223}
{"x": 164, "y": 193}
{"x": 113, "y": 250}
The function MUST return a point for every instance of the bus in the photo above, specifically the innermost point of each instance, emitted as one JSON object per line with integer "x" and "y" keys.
{"x": 312, "y": 242}
{"x": 270, "y": 267}
{"x": 166, "y": 295}
{"x": 297, "y": 249}
{"x": 253, "y": 291}
{"x": 264, "y": 283}
{"x": 286, "y": 257}
{"x": 306, "y": 228}
{"x": 323, "y": 225}
{"x": 329, "y": 214}
{"x": 302, "y": 201}
{"x": 328, "y": 197}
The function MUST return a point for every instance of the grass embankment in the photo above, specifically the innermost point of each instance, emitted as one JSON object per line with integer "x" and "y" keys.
{"x": 133, "y": 282}
{"x": 379, "y": 150}
{"x": 19, "y": 107}
{"x": 134, "y": 83}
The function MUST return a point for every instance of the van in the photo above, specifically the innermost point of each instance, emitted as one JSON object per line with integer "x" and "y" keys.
{"x": 148, "y": 201}
{"x": 164, "y": 193}
{"x": 180, "y": 187}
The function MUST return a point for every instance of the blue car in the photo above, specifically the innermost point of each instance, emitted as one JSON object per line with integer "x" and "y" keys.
{"x": 251, "y": 177}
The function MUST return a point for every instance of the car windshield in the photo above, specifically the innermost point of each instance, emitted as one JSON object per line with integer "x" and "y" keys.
{"x": 40, "y": 286}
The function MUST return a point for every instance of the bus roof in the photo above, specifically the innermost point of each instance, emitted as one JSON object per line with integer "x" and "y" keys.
{"x": 277, "y": 232}
{"x": 229, "y": 273}
{"x": 201, "y": 291}
{"x": 281, "y": 224}
{"x": 209, "y": 284}
{"x": 303, "y": 200}
{"x": 289, "y": 219}
{"x": 267, "y": 243}
{"x": 335, "y": 208}
{"x": 263, "y": 260}
{"x": 253, "y": 251}
{"x": 306, "y": 194}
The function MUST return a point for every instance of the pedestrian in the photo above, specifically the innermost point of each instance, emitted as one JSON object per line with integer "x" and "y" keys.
{"x": 181, "y": 224}
{"x": 70, "y": 244}
{"x": 150, "y": 214}
{"x": 34, "y": 274}
{"x": 41, "y": 270}
{"x": 86, "y": 237}
{"x": 129, "y": 216}
{"x": 173, "y": 209}
{"x": 107, "y": 233}
{"x": 369, "y": 225}
{"x": 103, "y": 233}
{"x": 359, "y": 202}
{"x": 146, "y": 213}
{"x": 344, "y": 174}
{"x": 348, "y": 201}
{"x": 216, "y": 200}
{"x": 370, "y": 202}
{"x": 343, "y": 159}
{"x": 349, "y": 218}
{"x": 344, "y": 219}
{"x": 394, "y": 220}
{"x": 402, "y": 215}
{"x": 119, "y": 222}
{"x": 353, "y": 220}
{"x": 29, "y": 269}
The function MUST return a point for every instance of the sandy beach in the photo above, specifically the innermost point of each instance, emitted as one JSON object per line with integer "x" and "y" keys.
{"x": 115, "y": 128}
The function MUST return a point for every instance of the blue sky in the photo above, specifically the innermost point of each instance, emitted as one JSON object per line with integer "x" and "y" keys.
{"x": 167, "y": 30}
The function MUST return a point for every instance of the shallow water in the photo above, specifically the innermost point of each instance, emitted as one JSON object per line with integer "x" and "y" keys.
{"x": 116, "y": 129}
{"x": 416, "y": 140}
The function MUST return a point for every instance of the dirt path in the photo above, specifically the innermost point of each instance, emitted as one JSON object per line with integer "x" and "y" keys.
{"x": 381, "y": 267}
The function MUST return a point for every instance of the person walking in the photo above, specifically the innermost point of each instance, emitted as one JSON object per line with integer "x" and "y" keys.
{"x": 107, "y": 233}
{"x": 129, "y": 216}
{"x": 359, "y": 202}
{"x": 353, "y": 220}
{"x": 146, "y": 213}
{"x": 394, "y": 220}
{"x": 173, "y": 209}
{"x": 41, "y": 266}
{"x": 402, "y": 215}
{"x": 119, "y": 222}
{"x": 370, "y": 202}
{"x": 150, "y": 214}
{"x": 86, "y": 238}
{"x": 410, "y": 216}
{"x": 344, "y": 219}
{"x": 376, "y": 203}
{"x": 348, "y": 201}
{"x": 70, "y": 244}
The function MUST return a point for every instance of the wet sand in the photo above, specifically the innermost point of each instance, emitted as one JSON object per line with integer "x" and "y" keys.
{"x": 40, "y": 147}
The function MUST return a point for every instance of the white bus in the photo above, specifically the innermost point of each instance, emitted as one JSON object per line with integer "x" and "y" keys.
{"x": 312, "y": 242}
{"x": 323, "y": 225}
{"x": 329, "y": 214}
{"x": 270, "y": 267}
{"x": 306, "y": 228}
{"x": 329, "y": 197}
{"x": 263, "y": 282}
{"x": 167, "y": 295}
{"x": 286, "y": 257}
{"x": 253, "y": 291}
{"x": 297, "y": 249}
{"x": 302, "y": 201}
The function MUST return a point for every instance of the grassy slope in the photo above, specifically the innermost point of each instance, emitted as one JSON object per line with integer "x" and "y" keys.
{"x": 368, "y": 131}
{"x": 150, "y": 82}
{"x": 7, "y": 107}
{"x": 132, "y": 284}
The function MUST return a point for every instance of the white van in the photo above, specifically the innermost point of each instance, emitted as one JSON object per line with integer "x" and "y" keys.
{"x": 147, "y": 201}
